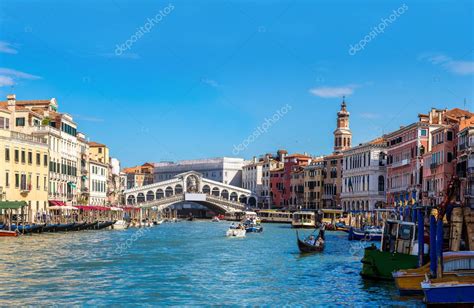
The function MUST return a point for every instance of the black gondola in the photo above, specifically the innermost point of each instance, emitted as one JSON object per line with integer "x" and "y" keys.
{"x": 78, "y": 226}
{"x": 90, "y": 226}
{"x": 305, "y": 247}
{"x": 103, "y": 225}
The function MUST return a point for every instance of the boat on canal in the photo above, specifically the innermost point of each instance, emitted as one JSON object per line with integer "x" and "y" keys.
{"x": 366, "y": 234}
{"x": 398, "y": 250}
{"x": 446, "y": 291}
{"x": 8, "y": 233}
{"x": 311, "y": 244}
{"x": 455, "y": 264}
{"x": 236, "y": 231}
{"x": 120, "y": 225}
{"x": 304, "y": 219}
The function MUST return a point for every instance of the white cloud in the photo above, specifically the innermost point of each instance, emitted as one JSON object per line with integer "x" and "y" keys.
{"x": 125, "y": 55}
{"x": 8, "y": 77}
{"x": 333, "y": 91}
{"x": 6, "y": 47}
{"x": 454, "y": 66}
{"x": 210, "y": 82}
{"x": 369, "y": 115}
{"x": 6, "y": 81}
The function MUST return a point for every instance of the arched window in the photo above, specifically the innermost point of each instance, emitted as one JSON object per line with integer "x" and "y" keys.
{"x": 131, "y": 199}
{"x": 178, "y": 189}
{"x": 381, "y": 183}
{"x": 215, "y": 191}
{"x": 159, "y": 194}
{"x": 233, "y": 196}
{"x": 206, "y": 189}
{"x": 140, "y": 198}
{"x": 225, "y": 194}
{"x": 168, "y": 191}
{"x": 150, "y": 196}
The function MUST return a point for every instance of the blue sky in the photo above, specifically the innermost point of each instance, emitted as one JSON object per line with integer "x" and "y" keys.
{"x": 208, "y": 73}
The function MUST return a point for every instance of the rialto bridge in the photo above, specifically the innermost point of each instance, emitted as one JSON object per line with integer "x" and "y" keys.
{"x": 192, "y": 187}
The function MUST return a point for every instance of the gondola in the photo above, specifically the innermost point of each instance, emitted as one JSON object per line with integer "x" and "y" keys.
{"x": 308, "y": 248}
{"x": 103, "y": 225}
{"x": 49, "y": 228}
{"x": 26, "y": 229}
{"x": 90, "y": 225}
{"x": 63, "y": 227}
{"x": 78, "y": 226}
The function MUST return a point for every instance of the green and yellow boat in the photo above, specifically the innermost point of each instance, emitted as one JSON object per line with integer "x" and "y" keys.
{"x": 398, "y": 250}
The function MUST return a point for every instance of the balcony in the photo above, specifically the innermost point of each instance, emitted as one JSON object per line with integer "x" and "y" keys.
{"x": 24, "y": 189}
{"x": 401, "y": 163}
{"x": 434, "y": 165}
{"x": 29, "y": 138}
{"x": 46, "y": 129}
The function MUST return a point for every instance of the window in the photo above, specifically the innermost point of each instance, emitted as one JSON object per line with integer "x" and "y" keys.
{"x": 17, "y": 155}
{"x": 7, "y": 154}
{"x": 20, "y": 121}
{"x": 424, "y": 132}
{"x": 450, "y": 157}
{"x": 30, "y": 158}
{"x": 38, "y": 159}
{"x": 7, "y": 179}
{"x": 23, "y": 157}
{"x": 17, "y": 180}
{"x": 38, "y": 182}
{"x": 45, "y": 183}
{"x": 4, "y": 123}
{"x": 449, "y": 136}
{"x": 45, "y": 160}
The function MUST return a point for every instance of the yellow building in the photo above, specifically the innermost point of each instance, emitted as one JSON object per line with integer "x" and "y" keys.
{"x": 99, "y": 152}
{"x": 23, "y": 166}
{"x": 313, "y": 184}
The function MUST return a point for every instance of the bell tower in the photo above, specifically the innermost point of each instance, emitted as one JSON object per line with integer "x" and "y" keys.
{"x": 342, "y": 134}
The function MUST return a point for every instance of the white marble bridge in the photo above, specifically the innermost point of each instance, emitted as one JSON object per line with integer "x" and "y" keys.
{"x": 192, "y": 187}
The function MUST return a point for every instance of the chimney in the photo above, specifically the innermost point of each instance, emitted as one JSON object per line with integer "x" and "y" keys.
{"x": 11, "y": 98}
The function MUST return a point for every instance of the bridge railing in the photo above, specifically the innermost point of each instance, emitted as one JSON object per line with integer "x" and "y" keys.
{"x": 157, "y": 202}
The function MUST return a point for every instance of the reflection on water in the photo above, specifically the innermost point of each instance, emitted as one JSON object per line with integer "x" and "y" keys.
{"x": 185, "y": 263}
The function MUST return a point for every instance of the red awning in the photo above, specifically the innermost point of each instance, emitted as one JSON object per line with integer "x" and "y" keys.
{"x": 56, "y": 203}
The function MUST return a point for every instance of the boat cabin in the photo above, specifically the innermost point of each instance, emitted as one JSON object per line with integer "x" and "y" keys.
{"x": 275, "y": 216}
{"x": 399, "y": 237}
{"x": 234, "y": 216}
{"x": 331, "y": 217}
{"x": 304, "y": 220}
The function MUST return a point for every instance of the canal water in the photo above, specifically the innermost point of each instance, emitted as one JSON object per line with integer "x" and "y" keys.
{"x": 187, "y": 263}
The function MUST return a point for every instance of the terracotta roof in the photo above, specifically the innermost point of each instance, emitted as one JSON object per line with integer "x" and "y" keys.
{"x": 34, "y": 102}
{"x": 459, "y": 113}
{"x": 297, "y": 155}
{"x": 96, "y": 144}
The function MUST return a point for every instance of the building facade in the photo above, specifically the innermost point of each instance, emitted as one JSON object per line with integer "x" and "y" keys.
{"x": 24, "y": 162}
{"x": 98, "y": 178}
{"x": 364, "y": 176}
{"x": 313, "y": 184}
{"x": 465, "y": 161}
{"x": 223, "y": 169}
{"x": 138, "y": 176}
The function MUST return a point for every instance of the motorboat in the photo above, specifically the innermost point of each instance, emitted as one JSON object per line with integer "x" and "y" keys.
{"x": 236, "y": 231}
{"x": 455, "y": 264}
{"x": 120, "y": 225}
{"x": 215, "y": 219}
{"x": 8, "y": 233}
{"x": 366, "y": 234}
